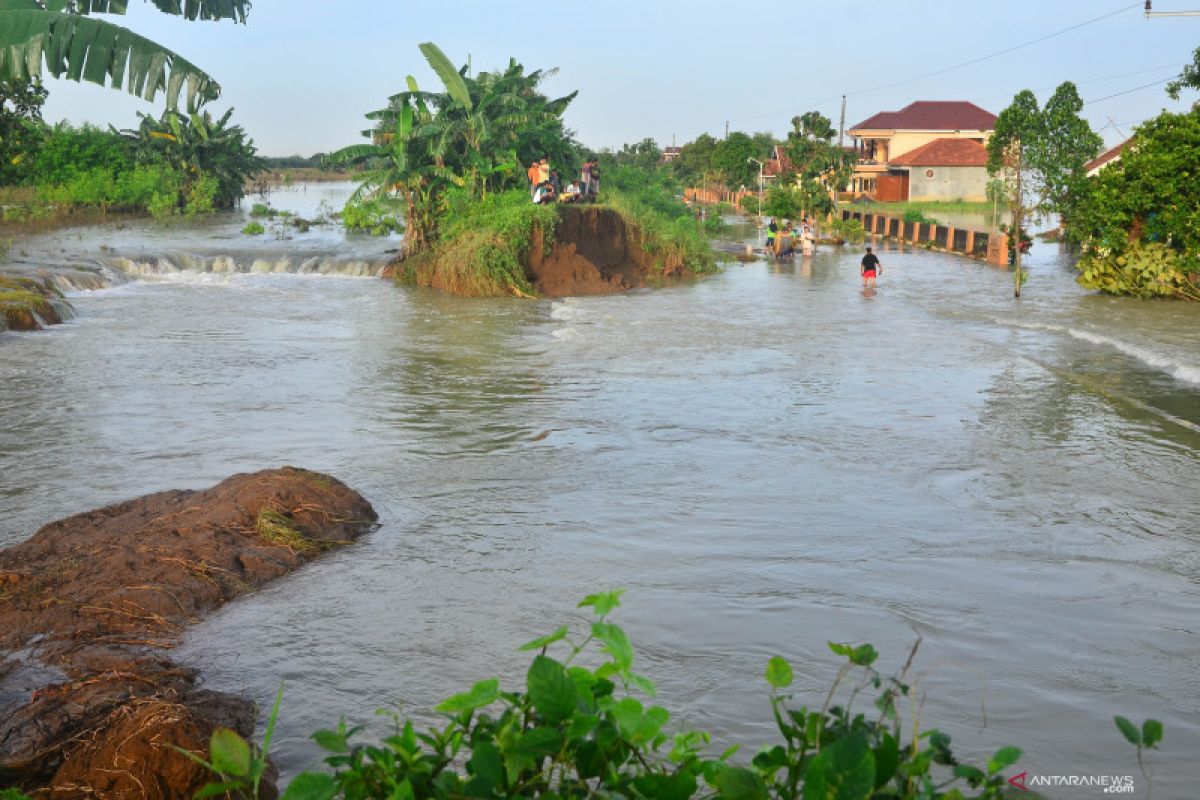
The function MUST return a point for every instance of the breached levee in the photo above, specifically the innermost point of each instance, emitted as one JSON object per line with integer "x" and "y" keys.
{"x": 90, "y": 703}
{"x": 591, "y": 250}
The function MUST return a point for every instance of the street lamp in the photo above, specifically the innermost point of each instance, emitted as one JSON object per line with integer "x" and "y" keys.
{"x": 760, "y": 188}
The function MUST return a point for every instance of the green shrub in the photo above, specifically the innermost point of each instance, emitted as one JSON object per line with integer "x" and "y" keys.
{"x": 253, "y": 228}
{"x": 376, "y": 217}
{"x": 259, "y": 210}
{"x": 483, "y": 244}
{"x": 915, "y": 215}
{"x": 201, "y": 196}
{"x": 749, "y": 204}
{"x": 578, "y": 731}
{"x": 848, "y": 230}
{"x": 1143, "y": 269}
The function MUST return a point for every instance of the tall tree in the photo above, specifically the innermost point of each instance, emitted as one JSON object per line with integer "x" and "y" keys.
{"x": 20, "y": 117}
{"x": 819, "y": 165}
{"x": 695, "y": 160}
{"x": 62, "y": 38}
{"x": 1066, "y": 144}
{"x": 1188, "y": 79}
{"x": 1018, "y": 130}
{"x": 732, "y": 159}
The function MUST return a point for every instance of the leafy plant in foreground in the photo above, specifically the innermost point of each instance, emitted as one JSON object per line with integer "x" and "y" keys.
{"x": 574, "y": 731}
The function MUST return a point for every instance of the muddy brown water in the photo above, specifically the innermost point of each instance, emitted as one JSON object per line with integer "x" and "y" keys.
{"x": 766, "y": 460}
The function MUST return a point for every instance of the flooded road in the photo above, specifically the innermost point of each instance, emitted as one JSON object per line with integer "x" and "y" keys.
{"x": 767, "y": 459}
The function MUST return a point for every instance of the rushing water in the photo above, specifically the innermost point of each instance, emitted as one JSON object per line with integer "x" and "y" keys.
{"x": 766, "y": 459}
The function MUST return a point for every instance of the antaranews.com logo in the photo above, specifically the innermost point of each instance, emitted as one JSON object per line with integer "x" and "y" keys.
{"x": 1107, "y": 784}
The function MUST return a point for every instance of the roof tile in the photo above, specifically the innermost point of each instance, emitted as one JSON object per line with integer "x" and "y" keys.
{"x": 932, "y": 115}
{"x": 944, "y": 153}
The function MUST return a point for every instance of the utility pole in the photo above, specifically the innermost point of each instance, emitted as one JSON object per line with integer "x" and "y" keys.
{"x": 726, "y": 129}
{"x": 842, "y": 124}
{"x": 1017, "y": 225}
{"x": 837, "y": 190}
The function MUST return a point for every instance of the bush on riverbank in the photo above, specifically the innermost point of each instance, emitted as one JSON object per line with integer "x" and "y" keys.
{"x": 1138, "y": 222}
{"x": 576, "y": 731}
{"x": 483, "y": 245}
{"x": 171, "y": 166}
{"x": 648, "y": 201}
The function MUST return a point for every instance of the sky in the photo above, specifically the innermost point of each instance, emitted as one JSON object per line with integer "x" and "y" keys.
{"x": 301, "y": 74}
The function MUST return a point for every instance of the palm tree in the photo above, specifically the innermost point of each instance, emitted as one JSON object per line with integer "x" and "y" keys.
{"x": 62, "y": 38}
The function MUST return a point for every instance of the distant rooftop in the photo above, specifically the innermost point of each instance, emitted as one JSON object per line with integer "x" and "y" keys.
{"x": 932, "y": 115}
{"x": 945, "y": 153}
{"x": 1107, "y": 156}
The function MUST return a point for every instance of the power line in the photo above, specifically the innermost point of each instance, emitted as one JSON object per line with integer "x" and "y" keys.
{"x": 1127, "y": 91}
{"x": 953, "y": 67}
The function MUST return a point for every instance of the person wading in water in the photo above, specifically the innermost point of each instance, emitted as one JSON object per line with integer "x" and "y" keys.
{"x": 869, "y": 268}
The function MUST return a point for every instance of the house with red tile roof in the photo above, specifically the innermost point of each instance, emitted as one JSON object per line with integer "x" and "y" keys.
{"x": 931, "y": 131}
{"x": 1101, "y": 161}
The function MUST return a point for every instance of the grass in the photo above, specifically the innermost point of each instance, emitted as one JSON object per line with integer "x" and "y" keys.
{"x": 899, "y": 209}
{"x": 279, "y": 529}
{"x": 675, "y": 242}
{"x": 483, "y": 246}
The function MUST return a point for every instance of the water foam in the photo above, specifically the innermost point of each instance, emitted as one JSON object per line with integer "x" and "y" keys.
{"x": 1184, "y": 372}
{"x": 159, "y": 266}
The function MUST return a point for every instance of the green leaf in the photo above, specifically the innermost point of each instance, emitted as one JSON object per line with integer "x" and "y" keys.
{"x": 332, "y": 741}
{"x": 1152, "y": 732}
{"x": 845, "y": 770}
{"x": 840, "y": 649}
{"x": 78, "y": 47}
{"x": 1128, "y": 730}
{"x": 779, "y": 672}
{"x": 739, "y": 783}
{"x": 628, "y": 715}
{"x": 311, "y": 786}
{"x": 551, "y": 689}
{"x": 539, "y": 743}
{"x": 973, "y": 775}
{"x": 456, "y": 87}
{"x": 604, "y": 602}
{"x": 864, "y": 655}
{"x": 887, "y": 759}
{"x": 645, "y": 684}
{"x": 207, "y": 790}
{"x": 482, "y": 694}
{"x": 487, "y": 767}
{"x": 1004, "y": 757}
{"x": 229, "y": 753}
{"x": 538, "y": 644}
{"x": 616, "y": 643}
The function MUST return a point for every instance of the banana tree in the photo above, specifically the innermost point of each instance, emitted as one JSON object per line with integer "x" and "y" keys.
{"x": 62, "y": 38}
{"x": 399, "y": 162}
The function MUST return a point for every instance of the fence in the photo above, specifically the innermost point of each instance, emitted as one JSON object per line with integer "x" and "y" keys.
{"x": 977, "y": 244}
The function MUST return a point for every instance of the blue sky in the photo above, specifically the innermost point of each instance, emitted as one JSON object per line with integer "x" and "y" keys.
{"x": 302, "y": 73}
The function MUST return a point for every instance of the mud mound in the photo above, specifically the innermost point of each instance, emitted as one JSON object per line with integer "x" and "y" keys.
{"x": 88, "y": 700}
{"x": 594, "y": 252}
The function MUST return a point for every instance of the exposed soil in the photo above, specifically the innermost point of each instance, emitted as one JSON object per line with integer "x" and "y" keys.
{"x": 90, "y": 704}
{"x": 594, "y": 252}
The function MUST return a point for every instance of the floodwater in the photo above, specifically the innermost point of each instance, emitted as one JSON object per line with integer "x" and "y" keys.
{"x": 766, "y": 459}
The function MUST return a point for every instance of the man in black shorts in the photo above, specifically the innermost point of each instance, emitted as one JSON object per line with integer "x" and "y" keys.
{"x": 870, "y": 266}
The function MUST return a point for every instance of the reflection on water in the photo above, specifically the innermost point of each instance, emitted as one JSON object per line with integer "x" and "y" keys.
{"x": 767, "y": 459}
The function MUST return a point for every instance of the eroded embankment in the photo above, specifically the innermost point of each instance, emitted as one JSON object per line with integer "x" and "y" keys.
{"x": 594, "y": 252}
{"x": 90, "y": 705}
{"x": 30, "y": 303}
{"x": 591, "y": 250}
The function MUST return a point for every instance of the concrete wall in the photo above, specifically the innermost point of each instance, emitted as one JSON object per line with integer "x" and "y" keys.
{"x": 948, "y": 183}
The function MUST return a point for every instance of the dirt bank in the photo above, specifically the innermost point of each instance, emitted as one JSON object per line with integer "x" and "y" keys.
{"x": 90, "y": 704}
{"x": 594, "y": 252}
{"x": 30, "y": 304}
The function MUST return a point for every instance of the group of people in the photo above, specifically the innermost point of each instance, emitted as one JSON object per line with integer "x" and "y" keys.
{"x": 782, "y": 241}
{"x": 545, "y": 185}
